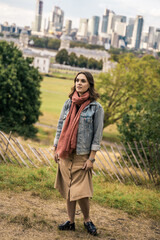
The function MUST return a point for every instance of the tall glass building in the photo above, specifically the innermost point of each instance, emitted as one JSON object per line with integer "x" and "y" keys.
{"x": 38, "y": 17}
{"x": 137, "y": 32}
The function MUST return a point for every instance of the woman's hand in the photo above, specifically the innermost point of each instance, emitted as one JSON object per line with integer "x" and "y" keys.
{"x": 55, "y": 155}
{"x": 88, "y": 165}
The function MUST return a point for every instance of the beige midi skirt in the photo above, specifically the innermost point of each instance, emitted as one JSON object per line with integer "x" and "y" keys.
{"x": 72, "y": 181}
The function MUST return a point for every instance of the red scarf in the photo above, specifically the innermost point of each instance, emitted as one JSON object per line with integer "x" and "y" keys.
{"x": 68, "y": 138}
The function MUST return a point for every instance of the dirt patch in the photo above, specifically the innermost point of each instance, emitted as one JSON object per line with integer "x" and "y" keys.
{"x": 24, "y": 216}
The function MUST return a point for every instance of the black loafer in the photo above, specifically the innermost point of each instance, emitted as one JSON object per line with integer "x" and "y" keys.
{"x": 91, "y": 228}
{"x": 67, "y": 226}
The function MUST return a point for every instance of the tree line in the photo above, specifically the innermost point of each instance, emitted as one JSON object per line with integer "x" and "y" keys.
{"x": 72, "y": 59}
{"x": 45, "y": 42}
{"x": 54, "y": 44}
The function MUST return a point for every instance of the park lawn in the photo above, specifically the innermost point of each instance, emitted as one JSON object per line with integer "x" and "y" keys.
{"x": 54, "y": 94}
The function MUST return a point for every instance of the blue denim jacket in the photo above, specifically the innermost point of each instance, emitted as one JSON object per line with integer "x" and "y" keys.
{"x": 90, "y": 127}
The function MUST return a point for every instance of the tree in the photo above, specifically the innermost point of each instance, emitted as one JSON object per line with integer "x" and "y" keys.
{"x": 142, "y": 123}
{"x": 132, "y": 80}
{"x": 53, "y": 44}
{"x": 62, "y": 56}
{"x": 19, "y": 91}
{"x": 72, "y": 59}
{"x": 92, "y": 63}
{"x": 82, "y": 61}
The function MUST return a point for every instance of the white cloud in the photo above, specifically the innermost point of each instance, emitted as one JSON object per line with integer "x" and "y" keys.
{"x": 20, "y": 16}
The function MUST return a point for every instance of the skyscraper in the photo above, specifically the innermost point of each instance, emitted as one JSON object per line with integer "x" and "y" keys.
{"x": 110, "y": 18}
{"x": 56, "y": 20}
{"x": 93, "y": 25}
{"x": 151, "y": 37}
{"x": 104, "y": 24}
{"x": 38, "y": 17}
{"x": 118, "y": 18}
{"x": 129, "y": 30}
{"x": 68, "y": 27}
{"x": 157, "y": 39}
{"x": 137, "y": 32}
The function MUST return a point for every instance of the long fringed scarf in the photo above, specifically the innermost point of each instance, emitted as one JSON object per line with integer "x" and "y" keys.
{"x": 68, "y": 138}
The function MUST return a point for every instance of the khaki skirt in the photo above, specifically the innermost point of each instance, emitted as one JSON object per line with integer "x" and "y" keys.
{"x": 72, "y": 181}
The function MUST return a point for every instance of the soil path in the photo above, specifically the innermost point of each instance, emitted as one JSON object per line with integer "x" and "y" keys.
{"x": 24, "y": 216}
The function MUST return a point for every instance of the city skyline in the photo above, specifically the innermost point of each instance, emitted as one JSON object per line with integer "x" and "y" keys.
{"x": 14, "y": 11}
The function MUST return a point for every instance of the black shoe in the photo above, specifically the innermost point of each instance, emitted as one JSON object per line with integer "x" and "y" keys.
{"x": 67, "y": 226}
{"x": 91, "y": 228}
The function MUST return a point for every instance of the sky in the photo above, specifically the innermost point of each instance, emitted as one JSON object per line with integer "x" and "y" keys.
{"x": 22, "y": 12}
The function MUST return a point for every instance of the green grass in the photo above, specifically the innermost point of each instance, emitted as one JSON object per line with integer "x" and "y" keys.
{"x": 40, "y": 181}
{"x": 135, "y": 200}
{"x": 54, "y": 94}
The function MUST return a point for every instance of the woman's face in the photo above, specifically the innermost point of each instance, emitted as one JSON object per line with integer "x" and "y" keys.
{"x": 81, "y": 84}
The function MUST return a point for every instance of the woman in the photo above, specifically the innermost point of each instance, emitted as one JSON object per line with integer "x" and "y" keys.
{"x": 77, "y": 139}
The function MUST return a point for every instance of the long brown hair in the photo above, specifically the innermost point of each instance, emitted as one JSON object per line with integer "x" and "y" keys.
{"x": 92, "y": 92}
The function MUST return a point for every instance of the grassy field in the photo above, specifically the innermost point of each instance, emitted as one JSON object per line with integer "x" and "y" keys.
{"x": 135, "y": 200}
{"x": 55, "y": 92}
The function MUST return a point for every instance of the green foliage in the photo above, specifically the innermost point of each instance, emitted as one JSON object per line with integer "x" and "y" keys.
{"x": 142, "y": 123}
{"x": 132, "y": 80}
{"x": 62, "y": 56}
{"x": 46, "y": 42}
{"x": 19, "y": 91}
{"x": 72, "y": 59}
{"x": 82, "y": 61}
{"x": 86, "y": 45}
{"x": 94, "y": 64}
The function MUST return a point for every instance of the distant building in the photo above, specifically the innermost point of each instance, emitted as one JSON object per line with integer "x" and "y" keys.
{"x": 42, "y": 62}
{"x": 110, "y": 19}
{"x": 68, "y": 27}
{"x": 93, "y": 26}
{"x": 151, "y": 37}
{"x": 23, "y": 39}
{"x": 105, "y": 32}
{"x": 144, "y": 40}
{"x": 157, "y": 39}
{"x": 83, "y": 29}
{"x": 38, "y": 17}
{"x": 137, "y": 32}
{"x": 129, "y": 30}
{"x": 104, "y": 23}
{"x": 115, "y": 40}
{"x": 118, "y": 19}
{"x": 56, "y": 20}
{"x": 120, "y": 28}
{"x": 65, "y": 42}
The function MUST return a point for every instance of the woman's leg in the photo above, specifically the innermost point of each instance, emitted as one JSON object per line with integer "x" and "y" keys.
{"x": 71, "y": 208}
{"x": 84, "y": 205}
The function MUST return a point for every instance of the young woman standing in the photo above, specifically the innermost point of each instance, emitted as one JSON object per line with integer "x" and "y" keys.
{"x": 77, "y": 140}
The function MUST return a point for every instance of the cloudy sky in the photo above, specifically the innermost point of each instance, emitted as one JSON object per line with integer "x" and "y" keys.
{"x": 22, "y": 12}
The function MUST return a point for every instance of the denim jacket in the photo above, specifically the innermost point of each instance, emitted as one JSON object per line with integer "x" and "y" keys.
{"x": 90, "y": 127}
